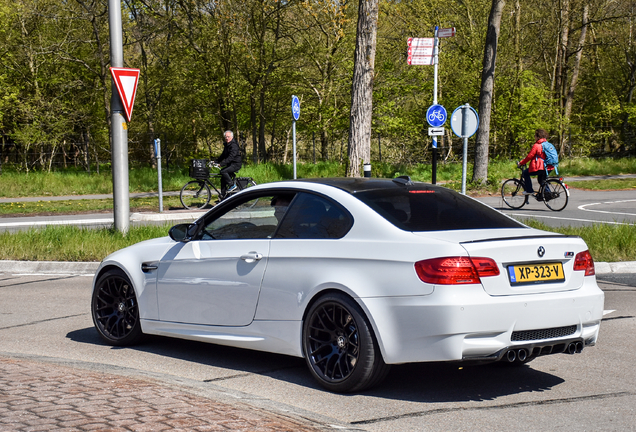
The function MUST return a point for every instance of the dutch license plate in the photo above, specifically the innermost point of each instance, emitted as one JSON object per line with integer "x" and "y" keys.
{"x": 536, "y": 273}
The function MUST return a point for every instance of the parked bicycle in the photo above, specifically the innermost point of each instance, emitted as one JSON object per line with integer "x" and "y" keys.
{"x": 553, "y": 192}
{"x": 196, "y": 194}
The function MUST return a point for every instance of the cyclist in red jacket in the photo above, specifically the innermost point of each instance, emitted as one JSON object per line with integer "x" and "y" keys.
{"x": 536, "y": 158}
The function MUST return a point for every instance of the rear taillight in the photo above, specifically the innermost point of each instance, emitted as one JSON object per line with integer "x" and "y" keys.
{"x": 455, "y": 270}
{"x": 584, "y": 261}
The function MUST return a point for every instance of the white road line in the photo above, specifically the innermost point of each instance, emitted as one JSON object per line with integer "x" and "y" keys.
{"x": 62, "y": 222}
{"x": 568, "y": 219}
{"x": 607, "y": 312}
{"x": 583, "y": 207}
{"x": 53, "y": 274}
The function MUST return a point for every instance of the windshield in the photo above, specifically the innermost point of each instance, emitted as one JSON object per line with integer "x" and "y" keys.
{"x": 431, "y": 208}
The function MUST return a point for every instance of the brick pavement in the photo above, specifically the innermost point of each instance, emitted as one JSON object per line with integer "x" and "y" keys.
{"x": 46, "y": 397}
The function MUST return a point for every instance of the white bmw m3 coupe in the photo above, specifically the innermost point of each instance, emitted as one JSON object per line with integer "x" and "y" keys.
{"x": 355, "y": 275}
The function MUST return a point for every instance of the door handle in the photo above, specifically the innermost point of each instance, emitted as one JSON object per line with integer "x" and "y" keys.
{"x": 250, "y": 257}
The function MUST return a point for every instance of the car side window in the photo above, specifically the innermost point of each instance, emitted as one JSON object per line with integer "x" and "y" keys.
{"x": 252, "y": 219}
{"x": 314, "y": 217}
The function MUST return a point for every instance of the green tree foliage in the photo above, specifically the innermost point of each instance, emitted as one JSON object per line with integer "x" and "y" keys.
{"x": 207, "y": 66}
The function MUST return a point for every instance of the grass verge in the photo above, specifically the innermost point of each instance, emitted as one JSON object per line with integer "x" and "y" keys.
{"x": 601, "y": 185}
{"x": 85, "y": 206}
{"x": 609, "y": 243}
{"x": 68, "y": 243}
{"x": 144, "y": 179}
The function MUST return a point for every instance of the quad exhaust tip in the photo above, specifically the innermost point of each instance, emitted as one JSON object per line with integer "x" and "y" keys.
{"x": 517, "y": 355}
{"x": 521, "y": 354}
{"x": 575, "y": 347}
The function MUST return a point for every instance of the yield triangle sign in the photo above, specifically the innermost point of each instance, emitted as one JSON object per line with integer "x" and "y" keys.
{"x": 126, "y": 81}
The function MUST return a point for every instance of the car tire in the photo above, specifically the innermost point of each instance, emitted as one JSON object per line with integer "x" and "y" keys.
{"x": 115, "y": 310}
{"x": 340, "y": 348}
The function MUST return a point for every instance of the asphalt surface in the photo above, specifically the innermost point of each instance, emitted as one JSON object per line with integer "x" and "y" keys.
{"x": 42, "y": 395}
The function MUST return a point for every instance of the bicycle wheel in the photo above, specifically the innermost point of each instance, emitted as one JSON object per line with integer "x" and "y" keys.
{"x": 555, "y": 196}
{"x": 512, "y": 194}
{"x": 195, "y": 194}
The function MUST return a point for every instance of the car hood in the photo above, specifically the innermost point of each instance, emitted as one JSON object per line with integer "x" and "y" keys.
{"x": 148, "y": 250}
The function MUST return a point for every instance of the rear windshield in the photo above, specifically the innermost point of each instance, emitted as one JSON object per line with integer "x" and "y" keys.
{"x": 433, "y": 209}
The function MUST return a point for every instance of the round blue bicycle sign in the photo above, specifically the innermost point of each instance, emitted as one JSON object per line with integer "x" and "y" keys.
{"x": 295, "y": 107}
{"x": 436, "y": 115}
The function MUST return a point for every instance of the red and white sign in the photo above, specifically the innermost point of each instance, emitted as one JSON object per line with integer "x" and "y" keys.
{"x": 420, "y": 42}
{"x": 126, "y": 80}
{"x": 446, "y": 32}
{"x": 420, "y": 51}
{"x": 420, "y": 61}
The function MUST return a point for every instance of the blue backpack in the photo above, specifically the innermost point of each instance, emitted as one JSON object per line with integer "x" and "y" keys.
{"x": 551, "y": 156}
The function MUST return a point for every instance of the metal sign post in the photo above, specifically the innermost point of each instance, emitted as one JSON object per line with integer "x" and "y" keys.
{"x": 425, "y": 51}
{"x": 158, "y": 156}
{"x": 295, "y": 115}
{"x": 464, "y": 123}
{"x": 435, "y": 62}
{"x": 119, "y": 128}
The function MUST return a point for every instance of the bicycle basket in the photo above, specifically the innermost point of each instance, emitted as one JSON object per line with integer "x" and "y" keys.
{"x": 243, "y": 182}
{"x": 199, "y": 169}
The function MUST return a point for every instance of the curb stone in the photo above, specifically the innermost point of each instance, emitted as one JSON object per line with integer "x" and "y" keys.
{"x": 48, "y": 267}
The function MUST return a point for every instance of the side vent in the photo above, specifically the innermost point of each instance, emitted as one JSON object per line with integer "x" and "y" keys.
{"x": 147, "y": 267}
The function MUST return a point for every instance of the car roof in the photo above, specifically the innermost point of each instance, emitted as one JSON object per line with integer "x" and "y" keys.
{"x": 361, "y": 184}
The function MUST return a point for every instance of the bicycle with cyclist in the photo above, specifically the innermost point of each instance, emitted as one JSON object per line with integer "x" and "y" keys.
{"x": 537, "y": 167}
{"x": 230, "y": 162}
{"x": 198, "y": 193}
{"x": 552, "y": 191}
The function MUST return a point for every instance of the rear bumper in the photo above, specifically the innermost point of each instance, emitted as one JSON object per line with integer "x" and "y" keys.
{"x": 458, "y": 323}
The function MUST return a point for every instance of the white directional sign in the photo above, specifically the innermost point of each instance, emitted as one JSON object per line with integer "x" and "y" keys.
{"x": 420, "y": 51}
{"x": 435, "y": 131}
{"x": 126, "y": 80}
{"x": 420, "y": 42}
{"x": 446, "y": 32}
{"x": 420, "y": 61}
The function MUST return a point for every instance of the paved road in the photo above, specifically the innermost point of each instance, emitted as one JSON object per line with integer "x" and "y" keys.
{"x": 45, "y": 328}
{"x": 584, "y": 208}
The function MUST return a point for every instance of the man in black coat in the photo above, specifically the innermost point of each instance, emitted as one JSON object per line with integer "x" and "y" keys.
{"x": 230, "y": 161}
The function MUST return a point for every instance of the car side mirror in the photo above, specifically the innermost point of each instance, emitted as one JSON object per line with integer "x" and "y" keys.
{"x": 182, "y": 232}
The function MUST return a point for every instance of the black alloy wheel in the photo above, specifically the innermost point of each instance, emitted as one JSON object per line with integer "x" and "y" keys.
{"x": 115, "y": 310}
{"x": 339, "y": 345}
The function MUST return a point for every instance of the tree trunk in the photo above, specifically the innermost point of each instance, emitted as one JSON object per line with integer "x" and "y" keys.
{"x": 480, "y": 169}
{"x": 362, "y": 87}
{"x": 569, "y": 98}
{"x": 254, "y": 129}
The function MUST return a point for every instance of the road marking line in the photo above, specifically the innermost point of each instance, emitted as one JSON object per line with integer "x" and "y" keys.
{"x": 53, "y": 274}
{"x": 583, "y": 207}
{"x": 64, "y": 222}
{"x": 531, "y": 216}
{"x": 607, "y": 312}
